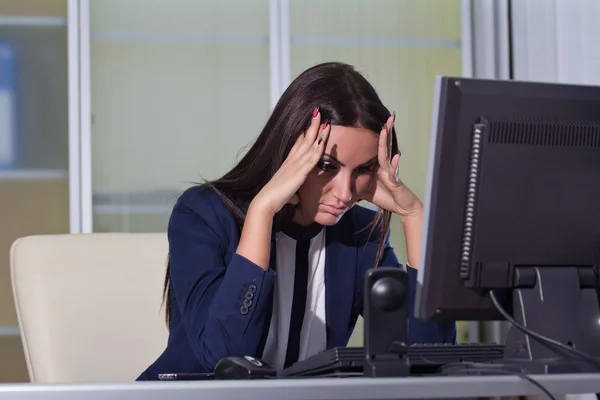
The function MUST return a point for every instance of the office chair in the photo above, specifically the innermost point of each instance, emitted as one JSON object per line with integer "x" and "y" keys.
{"x": 89, "y": 305}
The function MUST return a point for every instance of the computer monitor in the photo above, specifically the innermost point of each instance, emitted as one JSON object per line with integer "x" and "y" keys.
{"x": 513, "y": 206}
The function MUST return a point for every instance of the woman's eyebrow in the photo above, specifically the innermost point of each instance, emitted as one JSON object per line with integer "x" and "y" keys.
{"x": 332, "y": 158}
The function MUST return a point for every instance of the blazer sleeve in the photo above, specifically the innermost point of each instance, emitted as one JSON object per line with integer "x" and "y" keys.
{"x": 419, "y": 331}
{"x": 222, "y": 305}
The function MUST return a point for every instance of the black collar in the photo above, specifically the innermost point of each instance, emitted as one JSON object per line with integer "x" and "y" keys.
{"x": 298, "y": 232}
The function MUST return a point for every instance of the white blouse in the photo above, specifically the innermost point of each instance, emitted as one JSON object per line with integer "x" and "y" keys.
{"x": 312, "y": 337}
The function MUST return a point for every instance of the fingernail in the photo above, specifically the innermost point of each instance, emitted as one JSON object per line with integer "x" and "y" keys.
{"x": 316, "y": 112}
{"x": 325, "y": 124}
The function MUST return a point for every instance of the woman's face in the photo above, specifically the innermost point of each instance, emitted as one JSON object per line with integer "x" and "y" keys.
{"x": 340, "y": 178}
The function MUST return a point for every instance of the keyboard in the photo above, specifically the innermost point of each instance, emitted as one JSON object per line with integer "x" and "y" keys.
{"x": 424, "y": 359}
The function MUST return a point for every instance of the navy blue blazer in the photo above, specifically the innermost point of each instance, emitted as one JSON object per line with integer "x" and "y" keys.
{"x": 209, "y": 283}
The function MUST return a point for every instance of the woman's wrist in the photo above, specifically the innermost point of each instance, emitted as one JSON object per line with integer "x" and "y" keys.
{"x": 260, "y": 208}
{"x": 255, "y": 240}
{"x": 414, "y": 211}
{"x": 412, "y": 225}
{"x": 407, "y": 202}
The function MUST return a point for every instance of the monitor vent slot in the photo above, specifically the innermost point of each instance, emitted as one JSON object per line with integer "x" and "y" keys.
{"x": 533, "y": 132}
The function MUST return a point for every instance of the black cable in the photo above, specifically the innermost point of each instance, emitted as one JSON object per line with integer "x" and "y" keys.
{"x": 541, "y": 338}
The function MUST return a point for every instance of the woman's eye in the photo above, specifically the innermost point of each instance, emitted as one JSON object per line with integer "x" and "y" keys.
{"x": 325, "y": 166}
{"x": 365, "y": 169}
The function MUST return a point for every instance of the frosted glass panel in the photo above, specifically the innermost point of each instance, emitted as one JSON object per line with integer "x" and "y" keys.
{"x": 165, "y": 114}
{"x": 175, "y": 17}
{"x": 177, "y": 88}
{"x": 396, "y": 20}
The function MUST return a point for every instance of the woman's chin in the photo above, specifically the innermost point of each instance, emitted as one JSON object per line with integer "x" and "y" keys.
{"x": 326, "y": 219}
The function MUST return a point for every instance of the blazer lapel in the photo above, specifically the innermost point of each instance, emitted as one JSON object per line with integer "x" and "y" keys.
{"x": 340, "y": 270}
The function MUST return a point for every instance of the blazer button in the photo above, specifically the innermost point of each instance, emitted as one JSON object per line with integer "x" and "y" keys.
{"x": 252, "y": 288}
{"x": 249, "y": 296}
{"x": 244, "y": 310}
{"x": 247, "y": 303}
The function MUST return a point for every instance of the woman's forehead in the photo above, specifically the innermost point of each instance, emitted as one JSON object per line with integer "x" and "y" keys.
{"x": 351, "y": 145}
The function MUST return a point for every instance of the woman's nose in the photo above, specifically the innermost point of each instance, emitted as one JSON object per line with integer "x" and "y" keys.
{"x": 343, "y": 188}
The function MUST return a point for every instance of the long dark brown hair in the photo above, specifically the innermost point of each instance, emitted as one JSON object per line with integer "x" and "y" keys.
{"x": 344, "y": 97}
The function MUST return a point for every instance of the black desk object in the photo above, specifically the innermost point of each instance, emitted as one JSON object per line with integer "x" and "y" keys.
{"x": 423, "y": 359}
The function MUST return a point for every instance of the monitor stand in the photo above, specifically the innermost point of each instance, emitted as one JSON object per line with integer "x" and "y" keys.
{"x": 385, "y": 313}
{"x": 560, "y": 303}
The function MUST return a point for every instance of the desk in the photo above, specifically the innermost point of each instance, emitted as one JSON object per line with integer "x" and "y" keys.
{"x": 310, "y": 389}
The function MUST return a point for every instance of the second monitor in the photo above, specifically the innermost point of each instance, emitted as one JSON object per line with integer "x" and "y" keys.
{"x": 512, "y": 213}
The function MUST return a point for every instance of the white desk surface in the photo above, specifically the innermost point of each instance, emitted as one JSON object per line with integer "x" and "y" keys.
{"x": 311, "y": 389}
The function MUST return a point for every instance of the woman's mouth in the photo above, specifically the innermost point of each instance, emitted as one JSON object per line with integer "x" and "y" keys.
{"x": 334, "y": 210}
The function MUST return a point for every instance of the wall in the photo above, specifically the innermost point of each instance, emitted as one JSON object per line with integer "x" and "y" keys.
{"x": 177, "y": 89}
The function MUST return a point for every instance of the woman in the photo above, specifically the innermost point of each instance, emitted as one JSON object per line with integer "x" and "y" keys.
{"x": 269, "y": 260}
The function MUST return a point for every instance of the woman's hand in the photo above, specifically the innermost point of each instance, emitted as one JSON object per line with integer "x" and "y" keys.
{"x": 301, "y": 160}
{"x": 255, "y": 239}
{"x": 388, "y": 191}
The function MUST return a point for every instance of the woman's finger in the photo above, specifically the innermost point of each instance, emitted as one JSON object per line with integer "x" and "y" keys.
{"x": 323, "y": 135}
{"x": 390, "y": 121}
{"x": 319, "y": 143}
{"x": 395, "y": 162}
{"x": 313, "y": 129}
{"x": 394, "y": 167}
{"x": 382, "y": 151}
